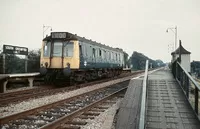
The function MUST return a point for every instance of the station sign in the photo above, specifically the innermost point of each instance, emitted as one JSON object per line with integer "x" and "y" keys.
{"x": 59, "y": 35}
{"x": 9, "y": 49}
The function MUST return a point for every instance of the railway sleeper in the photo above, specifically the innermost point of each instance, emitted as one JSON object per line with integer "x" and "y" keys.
{"x": 86, "y": 117}
{"x": 101, "y": 107}
{"x": 61, "y": 110}
{"x": 97, "y": 110}
{"x": 31, "y": 118}
{"x": 47, "y": 119}
{"x": 91, "y": 113}
{"x": 51, "y": 115}
{"x": 68, "y": 126}
{"x": 109, "y": 102}
{"x": 77, "y": 122}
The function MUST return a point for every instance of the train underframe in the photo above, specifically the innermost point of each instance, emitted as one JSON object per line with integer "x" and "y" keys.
{"x": 57, "y": 76}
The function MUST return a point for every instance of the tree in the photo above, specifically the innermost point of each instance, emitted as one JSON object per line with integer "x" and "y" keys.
{"x": 34, "y": 61}
{"x": 138, "y": 61}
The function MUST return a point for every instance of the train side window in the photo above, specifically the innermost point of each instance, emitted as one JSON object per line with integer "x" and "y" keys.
{"x": 93, "y": 53}
{"x": 80, "y": 50}
{"x": 105, "y": 54}
{"x": 86, "y": 52}
{"x": 83, "y": 50}
{"x": 96, "y": 52}
{"x": 90, "y": 51}
{"x": 113, "y": 56}
{"x": 100, "y": 52}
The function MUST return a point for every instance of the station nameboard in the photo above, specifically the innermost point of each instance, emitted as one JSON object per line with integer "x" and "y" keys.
{"x": 8, "y": 49}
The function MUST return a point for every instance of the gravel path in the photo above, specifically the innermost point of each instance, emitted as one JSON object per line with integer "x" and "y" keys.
{"x": 33, "y": 103}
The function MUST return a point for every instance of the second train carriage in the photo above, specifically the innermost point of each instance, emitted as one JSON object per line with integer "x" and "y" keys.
{"x": 65, "y": 55}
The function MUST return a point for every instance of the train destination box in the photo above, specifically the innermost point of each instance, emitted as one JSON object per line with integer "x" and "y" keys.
{"x": 59, "y": 35}
{"x": 8, "y": 49}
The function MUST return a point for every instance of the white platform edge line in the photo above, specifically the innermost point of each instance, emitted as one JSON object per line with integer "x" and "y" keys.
{"x": 148, "y": 73}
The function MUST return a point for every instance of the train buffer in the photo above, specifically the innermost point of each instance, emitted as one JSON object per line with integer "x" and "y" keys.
{"x": 5, "y": 78}
{"x": 160, "y": 102}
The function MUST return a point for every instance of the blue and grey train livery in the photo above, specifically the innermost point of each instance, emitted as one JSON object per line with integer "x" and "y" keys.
{"x": 66, "y": 55}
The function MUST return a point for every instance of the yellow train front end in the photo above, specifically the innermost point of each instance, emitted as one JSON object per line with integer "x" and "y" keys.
{"x": 59, "y": 56}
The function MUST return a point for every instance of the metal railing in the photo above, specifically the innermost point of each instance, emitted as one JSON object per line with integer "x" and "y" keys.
{"x": 190, "y": 87}
{"x": 143, "y": 100}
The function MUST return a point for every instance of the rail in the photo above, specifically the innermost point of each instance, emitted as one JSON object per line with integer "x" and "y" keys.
{"x": 71, "y": 106}
{"x": 143, "y": 100}
{"x": 8, "y": 77}
{"x": 190, "y": 87}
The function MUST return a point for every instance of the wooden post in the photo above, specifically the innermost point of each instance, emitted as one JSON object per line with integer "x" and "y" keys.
{"x": 3, "y": 82}
{"x": 180, "y": 51}
{"x": 4, "y": 63}
{"x": 26, "y": 64}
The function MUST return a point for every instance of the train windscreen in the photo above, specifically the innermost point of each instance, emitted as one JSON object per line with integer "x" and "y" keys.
{"x": 47, "y": 49}
{"x": 68, "y": 49}
{"x": 57, "y": 49}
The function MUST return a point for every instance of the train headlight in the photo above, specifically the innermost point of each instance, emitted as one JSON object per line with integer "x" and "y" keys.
{"x": 68, "y": 65}
{"x": 46, "y": 64}
{"x": 67, "y": 70}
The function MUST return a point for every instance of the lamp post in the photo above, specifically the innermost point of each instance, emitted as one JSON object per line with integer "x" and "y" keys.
{"x": 45, "y": 28}
{"x": 174, "y": 30}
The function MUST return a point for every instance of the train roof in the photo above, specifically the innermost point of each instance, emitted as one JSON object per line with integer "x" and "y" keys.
{"x": 69, "y": 36}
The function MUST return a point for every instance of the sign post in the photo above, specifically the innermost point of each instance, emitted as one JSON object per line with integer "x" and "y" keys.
{"x": 26, "y": 64}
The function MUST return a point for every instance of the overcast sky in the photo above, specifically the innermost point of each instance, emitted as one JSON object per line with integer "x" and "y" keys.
{"x": 133, "y": 25}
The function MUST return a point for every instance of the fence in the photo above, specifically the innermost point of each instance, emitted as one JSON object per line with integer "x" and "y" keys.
{"x": 14, "y": 64}
{"x": 190, "y": 87}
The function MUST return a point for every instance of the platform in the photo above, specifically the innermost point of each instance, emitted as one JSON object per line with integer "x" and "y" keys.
{"x": 21, "y": 75}
{"x": 129, "y": 110}
{"x": 167, "y": 107}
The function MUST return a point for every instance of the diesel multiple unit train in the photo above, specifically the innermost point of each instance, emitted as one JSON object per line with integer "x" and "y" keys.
{"x": 68, "y": 56}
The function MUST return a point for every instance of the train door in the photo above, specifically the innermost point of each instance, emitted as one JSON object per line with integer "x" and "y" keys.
{"x": 71, "y": 54}
{"x": 94, "y": 57}
{"x": 56, "y": 60}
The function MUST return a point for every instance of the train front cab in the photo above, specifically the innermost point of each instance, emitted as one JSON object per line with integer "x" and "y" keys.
{"x": 59, "y": 57}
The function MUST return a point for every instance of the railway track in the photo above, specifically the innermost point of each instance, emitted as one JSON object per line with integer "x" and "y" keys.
{"x": 61, "y": 114}
{"x": 19, "y": 96}
{"x": 10, "y": 97}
